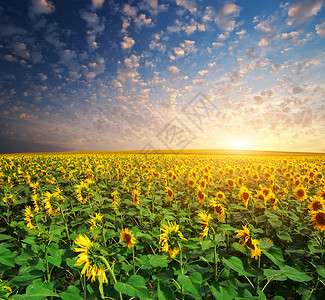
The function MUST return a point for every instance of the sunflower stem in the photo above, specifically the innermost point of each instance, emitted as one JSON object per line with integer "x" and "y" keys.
{"x": 257, "y": 278}
{"x": 111, "y": 272}
{"x": 66, "y": 227}
{"x": 133, "y": 258}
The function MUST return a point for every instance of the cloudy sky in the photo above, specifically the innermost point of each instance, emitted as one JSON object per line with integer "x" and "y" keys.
{"x": 154, "y": 74}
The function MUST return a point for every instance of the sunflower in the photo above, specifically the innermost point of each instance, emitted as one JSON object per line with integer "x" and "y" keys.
{"x": 244, "y": 195}
{"x": 51, "y": 204}
{"x": 191, "y": 182}
{"x": 115, "y": 199}
{"x": 247, "y": 240}
{"x": 253, "y": 245}
{"x": 318, "y": 219}
{"x": 243, "y": 234}
{"x": 240, "y": 180}
{"x": 29, "y": 217}
{"x": 316, "y": 204}
{"x": 128, "y": 238}
{"x": 82, "y": 192}
{"x": 170, "y": 238}
{"x": 136, "y": 199}
{"x": 205, "y": 218}
{"x": 255, "y": 176}
{"x": 95, "y": 220}
{"x": 221, "y": 196}
{"x": 231, "y": 183}
{"x": 200, "y": 196}
{"x": 219, "y": 209}
{"x": 300, "y": 193}
{"x": 170, "y": 194}
{"x": 90, "y": 256}
{"x": 35, "y": 202}
{"x": 321, "y": 193}
{"x": 202, "y": 184}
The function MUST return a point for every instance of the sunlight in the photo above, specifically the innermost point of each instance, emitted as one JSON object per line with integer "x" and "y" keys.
{"x": 238, "y": 144}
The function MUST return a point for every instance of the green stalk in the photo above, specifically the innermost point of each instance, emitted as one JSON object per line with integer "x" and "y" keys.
{"x": 257, "y": 278}
{"x": 181, "y": 265}
{"x": 133, "y": 260}
{"x": 66, "y": 226}
{"x": 110, "y": 271}
{"x": 320, "y": 260}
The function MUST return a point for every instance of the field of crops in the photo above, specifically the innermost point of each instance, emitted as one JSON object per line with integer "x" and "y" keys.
{"x": 162, "y": 226}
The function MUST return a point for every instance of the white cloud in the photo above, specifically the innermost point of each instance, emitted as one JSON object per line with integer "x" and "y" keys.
{"x": 152, "y": 6}
{"x": 130, "y": 11}
{"x": 9, "y": 57}
{"x": 40, "y": 7}
{"x": 142, "y": 20}
{"x": 224, "y": 18}
{"x": 320, "y": 29}
{"x": 96, "y": 4}
{"x": 173, "y": 69}
{"x": 263, "y": 42}
{"x": 303, "y": 10}
{"x": 127, "y": 43}
{"x": 187, "y": 4}
{"x": 6, "y": 30}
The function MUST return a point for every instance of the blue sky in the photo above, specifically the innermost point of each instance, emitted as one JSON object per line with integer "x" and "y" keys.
{"x": 150, "y": 74}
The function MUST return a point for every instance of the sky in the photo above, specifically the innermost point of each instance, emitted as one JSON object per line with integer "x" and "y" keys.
{"x": 102, "y": 75}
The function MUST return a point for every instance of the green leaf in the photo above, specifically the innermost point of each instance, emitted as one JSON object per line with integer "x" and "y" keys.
{"x": 164, "y": 292}
{"x": 294, "y": 274}
{"x": 191, "y": 283}
{"x": 134, "y": 287}
{"x": 6, "y": 256}
{"x": 72, "y": 293}
{"x": 55, "y": 258}
{"x": 223, "y": 292}
{"x": 5, "y": 237}
{"x": 158, "y": 261}
{"x": 39, "y": 290}
{"x": 261, "y": 295}
{"x": 284, "y": 236}
{"x": 235, "y": 264}
{"x": 274, "y": 275}
{"x": 275, "y": 255}
{"x": 320, "y": 270}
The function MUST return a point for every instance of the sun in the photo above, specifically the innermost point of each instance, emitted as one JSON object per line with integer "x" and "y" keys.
{"x": 238, "y": 144}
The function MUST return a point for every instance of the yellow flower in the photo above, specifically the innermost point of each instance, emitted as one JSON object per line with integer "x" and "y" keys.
{"x": 170, "y": 194}
{"x": 136, "y": 199}
{"x": 29, "y": 217}
{"x": 244, "y": 195}
{"x": 300, "y": 193}
{"x": 205, "y": 218}
{"x": 316, "y": 204}
{"x": 128, "y": 238}
{"x": 83, "y": 192}
{"x": 200, "y": 196}
{"x": 219, "y": 209}
{"x": 247, "y": 240}
{"x": 115, "y": 199}
{"x": 90, "y": 256}
{"x": 191, "y": 182}
{"x": 95, "y": 220}
{"x": 51, "y": 204}
{"x": 231, "y": 183}
{"x": 221, "y": 196}
{"x": 170, "y": 238}
{"x": 318, "y": 219}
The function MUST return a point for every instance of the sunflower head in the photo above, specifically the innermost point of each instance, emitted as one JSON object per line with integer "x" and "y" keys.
{"x": 191, "y": 182}
{"x": 128, "y": 238}
{"x": 170, "y": 193}
{"x": 90, "y": 255}
{"x": 318, "y": 219}
{"x": 316, "y": 204}
{"x": 170, "y": 238}
{"x": 300, "y": 193}
{"x": 221, "y": 196}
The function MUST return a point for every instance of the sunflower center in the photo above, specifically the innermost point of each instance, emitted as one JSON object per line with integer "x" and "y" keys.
{"x": 218, "y": 209}
{"x": 300, "y": 193}
{"x": 317, "y": 205}
{"x": 173, "y": 238}
{"x": 245, "y": 196}
{"x": 250, "y": 244}
{"x": 320, "y": 218}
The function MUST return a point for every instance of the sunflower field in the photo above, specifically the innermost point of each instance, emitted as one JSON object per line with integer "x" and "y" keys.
{"x": 162, "y": 226}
